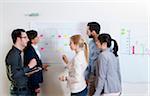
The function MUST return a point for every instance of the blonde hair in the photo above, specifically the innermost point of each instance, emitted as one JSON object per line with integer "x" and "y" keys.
{"x": 77, "y": 40}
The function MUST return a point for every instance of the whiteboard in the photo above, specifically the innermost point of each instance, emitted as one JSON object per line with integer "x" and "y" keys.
{"x": 55, "y": 39}
{"x": 125, "y": 22}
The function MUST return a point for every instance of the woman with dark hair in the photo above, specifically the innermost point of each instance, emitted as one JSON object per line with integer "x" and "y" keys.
{"x": 108, "y": 78}
{"x": 30, "y": 52}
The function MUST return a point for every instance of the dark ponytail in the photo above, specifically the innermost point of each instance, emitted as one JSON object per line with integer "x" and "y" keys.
{"x": 115, "y": 48}
{"x": 104, "y": 37}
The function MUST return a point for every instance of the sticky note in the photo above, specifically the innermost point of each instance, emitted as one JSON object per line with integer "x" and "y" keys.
{"x": 59, "y": 36}
{"x": 42, "y": 49}
{"x": 65, "y": 44}
{"x": 65, "y": 36}
{"x": 122, "y": 33}
{"x": 52, "y": 35}
{"x": 122, "y": 29}
{"x": 41, "y": 35}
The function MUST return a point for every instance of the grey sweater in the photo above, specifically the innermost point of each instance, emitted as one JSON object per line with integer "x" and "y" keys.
{"x": 108, "y": 77}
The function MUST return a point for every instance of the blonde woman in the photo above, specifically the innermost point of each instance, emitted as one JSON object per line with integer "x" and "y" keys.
{"x": 74, "y": 72}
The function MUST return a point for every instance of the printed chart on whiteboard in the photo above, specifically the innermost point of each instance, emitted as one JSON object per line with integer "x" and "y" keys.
{"x": 134, "y": 39}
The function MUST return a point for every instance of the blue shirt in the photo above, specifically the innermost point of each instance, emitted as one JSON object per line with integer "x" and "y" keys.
{"x": 93, "y": 54}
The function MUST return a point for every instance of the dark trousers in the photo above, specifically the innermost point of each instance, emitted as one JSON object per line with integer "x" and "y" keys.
{"x": 82, "y": 93}
{"x": 91, "y": 85}
{"x": 19, "y": 91}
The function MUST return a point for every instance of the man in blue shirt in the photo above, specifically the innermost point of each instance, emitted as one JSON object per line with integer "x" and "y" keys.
{"x": 93, "y": 29}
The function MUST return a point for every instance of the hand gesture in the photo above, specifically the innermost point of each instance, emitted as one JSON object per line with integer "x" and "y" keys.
{"x": 65, "y": 59}
{"x": 45, "y": 67}
{"x": 62, "y": 77}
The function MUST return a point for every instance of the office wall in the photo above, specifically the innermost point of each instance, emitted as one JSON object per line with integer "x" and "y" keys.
{"x": 1, "y": 42}
{"x": 15, "y": 15}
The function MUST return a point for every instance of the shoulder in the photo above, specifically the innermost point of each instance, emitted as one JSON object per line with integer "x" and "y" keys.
{"x": 105, "y": 54}
{"x": 108, "y": 56}
{"x": 28, "y": 49}
{"x": 12, "y": 56}
{"x": 80, "y": 56}
{"x": 91, "y": 42}
{"x": 12, "y": 53}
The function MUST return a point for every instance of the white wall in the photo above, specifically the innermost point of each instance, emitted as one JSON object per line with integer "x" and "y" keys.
{"x": 14, "y": 17}
{"x": 1, "y": 30}
{"x": 3, "y": 80}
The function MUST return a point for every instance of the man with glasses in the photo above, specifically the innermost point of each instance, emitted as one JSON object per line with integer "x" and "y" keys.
{"x": 16, "y": 72}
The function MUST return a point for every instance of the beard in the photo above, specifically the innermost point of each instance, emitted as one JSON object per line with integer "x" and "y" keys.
{"x": 90, "y": 36}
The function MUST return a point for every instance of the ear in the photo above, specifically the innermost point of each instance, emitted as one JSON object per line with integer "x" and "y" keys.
{"x": 104, "y": 44}
{"x": 18, "y": 39}
{"x": 93, "y": 32}
{"x": 32, "y": 40}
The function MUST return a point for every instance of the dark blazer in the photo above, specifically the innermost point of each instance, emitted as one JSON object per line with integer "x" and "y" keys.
{"x": 36, "y": 78}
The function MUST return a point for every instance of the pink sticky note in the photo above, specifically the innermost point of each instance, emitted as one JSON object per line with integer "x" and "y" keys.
{"x": 41, "y": 35}
{"x": 42, "y": 49}
{"x": 59, "y": 36}
{"x": 133, "y": 50}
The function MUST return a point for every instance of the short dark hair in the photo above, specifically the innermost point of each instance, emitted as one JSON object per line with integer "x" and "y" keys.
{"x": 94, "y": 26}
{"x": 32, "y": 34}
{"x": 16, "y": 33}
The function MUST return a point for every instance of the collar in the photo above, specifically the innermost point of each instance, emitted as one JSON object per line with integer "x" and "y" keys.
{"x": 16, "y": 49}
{"x": 108, "y": 49}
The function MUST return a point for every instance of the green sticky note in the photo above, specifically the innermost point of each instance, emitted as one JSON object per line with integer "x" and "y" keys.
{"x": 65, "y": 44}
{"x": 122, "y": 33}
